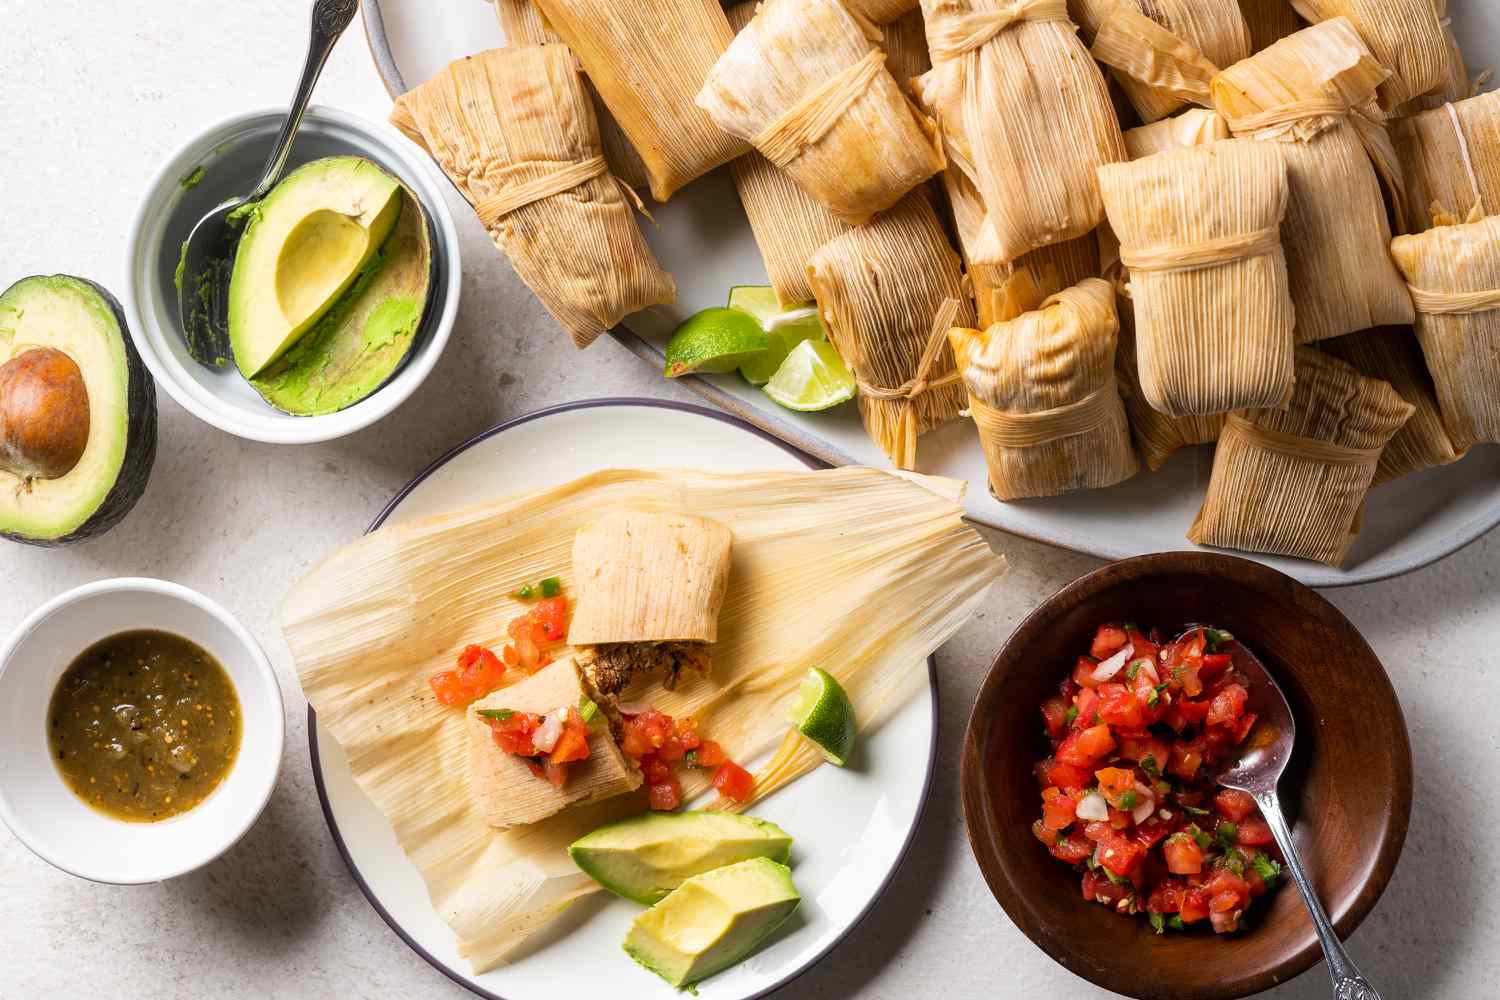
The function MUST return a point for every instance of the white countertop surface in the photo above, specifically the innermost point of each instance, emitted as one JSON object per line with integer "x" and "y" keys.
{"x": 92, "y": 97}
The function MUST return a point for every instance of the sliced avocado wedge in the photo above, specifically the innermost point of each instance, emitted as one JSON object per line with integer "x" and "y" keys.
{"x": 645, "y": 857}
{"x": 51, "y": 491}
{"x": 713, "y": 920}
{"x": 303, "y": 246}
{"x": 368, "y": 333}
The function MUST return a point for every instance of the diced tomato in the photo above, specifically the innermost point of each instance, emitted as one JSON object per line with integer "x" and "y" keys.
{"x": 1138, "y": 748}
{"x": 1055, "y": 715}
{"x": 513, "y": 733}
{"x": 1108, "y": 641}
{"x": 1194, "y": 906}
{"x": 1040, "y": 832}
{"x": 1227, "y": 706}
{"x": 1065, "y": 776}
{"x": 1253, "y": 832}
{"x": 1087, "y": 704}
{"x": 666, "y": 796}
{"x": 550, "y": 621}
{"x": 1234, "y": 805}
{"x": 1243, "y": 727}
{"x": 1167, "y": 896}
{"x": 1097, "y": 888}
{"x": 685, "y": 730}
{"x": 1096, "y": 741}
{"x": 1072, "y": 849}
{"x": 1144, "y": 647}
{"x": 1059, "y": 809}
{"x": 710, "y": 754}
{"x": 573, "y": 743}
{"x": 447, "y": 686}
{"x": 645, "y": 733}
{"x": 1184, "y": 760}
{"x": 655, "y": 770}
{"x": 1152, "y": 832}
{"x": 1098, "y": 831}
{"x": 1214, "y": 664}
{"x": 1227, "y": 891}
{"x": 1115, "y": 782}
{"x": 1083, "y": 672}
{"x": 1254, "y": 880}
{"x": 556, "y": 774}
{"x": 1194, "y": 711}
{"x": 1119, "y": 819}
{"x": 1184, "y": 856}
{"x": 1120, "y": 855}
{"x": 672, "y": 748}
{"x": 734, "y": 782}
{"x": 1118, "y": 706}
{"x": 1153, "y": 704}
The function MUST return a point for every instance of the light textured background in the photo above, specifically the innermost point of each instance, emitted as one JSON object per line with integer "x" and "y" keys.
{"x": 92, "y": 97}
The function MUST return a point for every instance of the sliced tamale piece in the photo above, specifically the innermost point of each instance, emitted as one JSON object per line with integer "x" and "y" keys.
{"x": 1269, "y": 21}
{"x": 806, "y": 82}
{"x": 1393, "y": 355}
{"x": 1292, "y": 482}
{"x": 647, "y": 58}
{"x": 1450, "y": 158}
{"x": 1042, "y": 393}
{"x": 514, "y": 129}
{"x": 504, "y": 787}
{"x": 1405, "y": 36}
{"x": 881, "y": 291}
{"x": 1454, "y": 275}
{"x": 1312, "y": 95}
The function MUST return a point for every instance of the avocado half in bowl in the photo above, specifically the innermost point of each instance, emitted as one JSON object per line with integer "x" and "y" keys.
{"x": 77, "y": 412}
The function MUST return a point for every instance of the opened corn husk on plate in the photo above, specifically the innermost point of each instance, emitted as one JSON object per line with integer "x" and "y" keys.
{"x": 1451, "y": 161}
{"x": 1454, "y": 275}
{"x": 514, "y": 129}
{"x": 875, "y": 570}
{"x": 806, "y": 82}
{"x": 1312, "y": 95}
{"x": 1293, "y": 481}
{"x": 1405, "y": 36}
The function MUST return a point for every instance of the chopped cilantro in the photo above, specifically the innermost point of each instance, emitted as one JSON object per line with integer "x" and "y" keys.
{"x": 498, "y": 714}
{"x": 1202, "y": 839}
{"x": 1127, "y": 801}
{"x": 1150, "y": 766}
{"x": 1116, "y": 879}
{"x": 1216, "y": 637}
{"x": 690, "y": 760}
{"x": 1269, "y": 868}
{"x": 1174, "y": 923}
{"x": 552, "y": 586}
{"x": 1072, "y": 714}
{"x": 1130, "y": 627}
{"x": 1155, "y": 695}
{"x": 1096, "y": 718}
{"x": 526, "y": 593}
{"x": 1233, "y": 861}
{"x": 1133, "y": 669}
{"x": 1193, "y": 809}
{"x": 587, "y": 709}
{"x": 1158, "y": 923}
{"x": 1226, "y": 834}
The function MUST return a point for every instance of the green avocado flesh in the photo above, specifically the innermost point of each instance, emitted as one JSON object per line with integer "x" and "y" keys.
{"x": 83, "y": 321}
{"x": 713, "y": 920}
{"x": 365, "y": 336}
{"x": 304, "y": 245}
{"x": 645, "y": 857}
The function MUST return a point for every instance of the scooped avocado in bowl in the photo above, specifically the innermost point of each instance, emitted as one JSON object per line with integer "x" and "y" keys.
{"x": 77, "y": 412}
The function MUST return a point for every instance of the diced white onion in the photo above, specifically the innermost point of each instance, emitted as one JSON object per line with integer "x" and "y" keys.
{"x": 546, "y": 735}
{"x": 1093, "y": 808}
{"x": 1114, "y": 664}
{"x": 1149, "y": 669}
{"x": 1145, "y": 804}
{"x": 634, "y": 708}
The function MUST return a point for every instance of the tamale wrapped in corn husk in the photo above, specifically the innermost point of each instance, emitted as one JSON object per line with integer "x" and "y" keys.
{"x": 647, "y": 58}
{"x": 1393, "y": 356}
{"x": 806, "y": 82}
{"x": 1450, "y": 157}
{"x": 1269, "y": 21}
{"x": 884, "y": 292}
{"x": 506, "y": 790}
{"x": 1405, "y": 36}
{"x": 1312, "y": 96}
{"x": 1194, "y": 127}
{"x": 1018, "y": 98}
{"x": 1164, "y": 53}
{"x": 881, "y": 11}
{"x": 1292, "y": 482}
{"x": 1457, "y": 85}
{"x": 514, "y": 129}
{"x": 1199, "y": 230}
{"x": 875, "y": 570}
{"x": 906, "y": 53}
{"x": 523, "y": 25}
{"x": 1454, "y": 275}
{"x": 1043, "y": 396}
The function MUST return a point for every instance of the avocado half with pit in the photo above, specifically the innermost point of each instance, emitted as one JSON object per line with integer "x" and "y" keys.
{"x": 329, "y": 287}
{"x": 77, "y": 412}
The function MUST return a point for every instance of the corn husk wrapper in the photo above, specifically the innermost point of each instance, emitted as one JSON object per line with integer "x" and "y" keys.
{"x": 1454, "y": 273}
{"x": 875, "y": 570}
{"x": 806, "y": 82}
{"x": 1028, "y": 110}
{"x": 1217, "y": 337}
{"x": 1164, "y": 53}
{"x": 1450, "y": 158}
{"x": 647, "y": 58}
{"x": 1269, "y": 21}
{"x": 1405, "y": 36}
{"x": 523, "y": 25}
{"x": 1336, "y": 219}
{"x": 879, "y": 289}
{"x": 1457, "y": 84}
{"x": 906, "y": 54}
{"x": 1194, "y": 127}
{"x": 881, "y": 11}
{"x": 1293, "y": 482}
{"x": 1393, "y": 356}
{"x": 507, "y": 118}
{"x": 1044, "y": 396}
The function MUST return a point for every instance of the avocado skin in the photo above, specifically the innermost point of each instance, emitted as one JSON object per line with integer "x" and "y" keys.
{"x": 140, "y": 430}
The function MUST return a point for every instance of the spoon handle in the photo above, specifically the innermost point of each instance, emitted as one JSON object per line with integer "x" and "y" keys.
{"x": 329, "y": 19}
{"x": 1348, "y": 984}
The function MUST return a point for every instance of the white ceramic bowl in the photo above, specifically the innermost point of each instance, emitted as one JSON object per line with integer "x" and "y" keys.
{"x": 43, "y": 812}
{"x": 233, "y": 154}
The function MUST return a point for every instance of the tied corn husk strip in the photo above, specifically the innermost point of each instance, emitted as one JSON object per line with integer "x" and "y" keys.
{"x": 510, "y": 126}
{"x": 1312, "y": 94}
{"x": 1164, "y": 53}
{"x": 1269, "y": 21}
{"x": 1405, "y": 36}
{"x": 1293, "y": 482}
{"x": 647, "y": 58}
{"x": 875, "y": 570}
{"x": 1218, "y": 336}
{"x": 1393, "y": 356}
{"x": 646, "y": 577}
{"x": 1042, "y": 393}
{"x": 906, "y": 54}
{"x": 1454, "y": 274}
{"x": 523, "y": 25}
{"x": 1016, "y": 95}
{"x": 878, "y": 289}
{"x": 1451, "y": 160}
{"x": 881, "y": 11}
{"x": 806, "y": 82}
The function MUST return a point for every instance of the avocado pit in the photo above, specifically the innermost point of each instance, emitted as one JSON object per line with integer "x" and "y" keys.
{"x": 44, "y": 415}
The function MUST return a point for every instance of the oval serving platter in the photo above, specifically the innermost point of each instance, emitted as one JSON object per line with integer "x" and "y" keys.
{"x": 852, "y": 826}
{"x": 1408, "y": 524}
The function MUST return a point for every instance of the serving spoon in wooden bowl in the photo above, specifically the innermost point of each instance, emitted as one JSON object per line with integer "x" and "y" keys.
{"x": 1263, "y": 758}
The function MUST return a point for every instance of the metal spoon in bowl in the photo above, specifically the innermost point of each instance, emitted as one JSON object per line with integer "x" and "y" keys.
{"x": 208, "y": 254}
{"x": 1264, "y": 758}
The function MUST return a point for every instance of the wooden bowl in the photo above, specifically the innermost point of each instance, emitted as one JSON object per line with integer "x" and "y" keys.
{"x": 1347, "y": 792}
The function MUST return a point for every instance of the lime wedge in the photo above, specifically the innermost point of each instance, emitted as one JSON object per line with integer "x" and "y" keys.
{"x": 823, "y": 713}
{"x": 759, "y": 301}
{"x": 785, "y": 329}
{"x": 812, "y": 377}
{"x": 714, "y": 341}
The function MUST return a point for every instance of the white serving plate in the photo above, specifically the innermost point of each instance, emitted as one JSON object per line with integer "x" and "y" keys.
{"x": 852, "y": 826}
{"x": 705, "y": 241}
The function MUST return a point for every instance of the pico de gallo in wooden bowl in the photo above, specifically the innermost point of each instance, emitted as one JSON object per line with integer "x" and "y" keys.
{"x": 1138, "y": 731}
